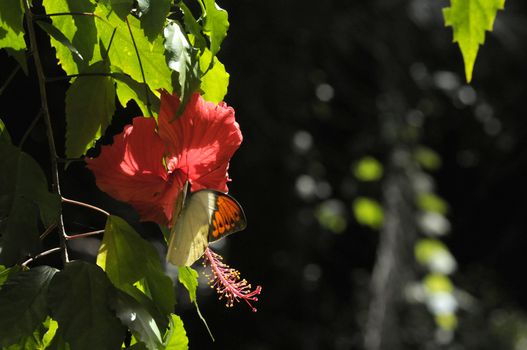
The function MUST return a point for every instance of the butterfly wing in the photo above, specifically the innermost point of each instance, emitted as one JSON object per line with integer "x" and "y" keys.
{"x": 228, "y": 217}
{"x": 207, "y": 215}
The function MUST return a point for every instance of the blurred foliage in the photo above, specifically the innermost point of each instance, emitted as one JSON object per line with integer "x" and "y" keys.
{"x": 315, "y": 92}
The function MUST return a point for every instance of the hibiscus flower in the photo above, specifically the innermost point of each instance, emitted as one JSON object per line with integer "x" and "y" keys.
{"x": 147, "y": 167}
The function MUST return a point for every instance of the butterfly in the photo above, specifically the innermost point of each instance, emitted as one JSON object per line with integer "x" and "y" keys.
{"x": 199, "y": 218}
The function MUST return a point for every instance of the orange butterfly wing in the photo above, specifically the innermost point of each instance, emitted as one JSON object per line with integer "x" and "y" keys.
{"x": 228, "y": 217}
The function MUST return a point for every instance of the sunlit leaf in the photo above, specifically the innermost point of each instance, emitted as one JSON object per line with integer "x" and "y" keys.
{"x": 153, "y": 16}
{"x": 194, "y": 28}
{"x": 176, "y": 337}
{"x": 182, "y": 58}
{"x": 122, "y": 52}
{"x": 469, "y": 20}
{"x": 427, "y": 158}
{"x": 368, "y": 169}
{"x": 216, "y": 25}
{"x": 433, "y": 203}
{"x": 121, "y": 7}
{"x": 129, "y": 260}
{"x": 23, "y": 189}
{"x": 368, "y": 212}
{"x": 128, "y": 89}
{"x": 90, "y": 104}
{"x": 11, "y": 25}
{"x": 215, "y": 81}
{"x": 6, "y": 272}
{"x": 189, "y": 278}
{"x": 58, "y": 36}
{"x": 78, "y": 297}
{"x": 80, "y": 30}
{"x": 137, "y": 318}
{"x": 23, "y": 303}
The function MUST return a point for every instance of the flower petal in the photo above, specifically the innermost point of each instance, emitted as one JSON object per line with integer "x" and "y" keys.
{"x": 201, "y": 141}
{"x": 132, "y": 170}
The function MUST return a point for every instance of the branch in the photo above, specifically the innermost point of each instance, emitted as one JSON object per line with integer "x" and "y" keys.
{"x": 9, "y": 78}
{"x": 86, "y": 205}
{"x": 395, "y": 249}
{"x": 30, "y": 128}
{"x": 82, "y": 235}
{"x": 141, "y": 67}
{"x": 45, "y": 111}
{"x": 47, "y": 252}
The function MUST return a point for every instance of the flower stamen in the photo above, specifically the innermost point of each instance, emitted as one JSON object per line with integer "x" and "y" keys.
{"x": 227, "y": 281}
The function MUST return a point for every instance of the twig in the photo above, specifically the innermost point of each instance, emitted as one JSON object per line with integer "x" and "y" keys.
{"x": 47, "y": 15}
{"x": 65, "y": 160}
{"x": 47, "y": 252}
{"x": 47, "y": 231}
{"x": 82, "y": 204}
{"x": 45, "y": 110}
{"x": 30, "y": 128}
{"x": 67, "y": 77}
{"x": 141, "y": 67}
{"x": 8, "y": 81}
{"x": 82, "y": 235}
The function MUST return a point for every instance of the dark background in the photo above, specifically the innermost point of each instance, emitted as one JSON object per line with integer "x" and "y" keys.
{"x": 382, "y": 59}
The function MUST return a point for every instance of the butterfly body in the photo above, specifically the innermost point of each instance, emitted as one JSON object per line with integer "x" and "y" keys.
{"x": 199, "y": 218}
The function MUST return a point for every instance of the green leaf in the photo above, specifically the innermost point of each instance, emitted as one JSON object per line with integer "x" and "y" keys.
{"x": 20, "y": 57}
{"x": 469, "y": 20}
{"x": 4, "y": 134}
{"x": 23, "y": 303}
{"x": 120, "y": 7}
{"x": 122, "y": 52}
{"x": 23, "y": 195}
{"x": 189, "y": 278}
{"x": 138, "y": 319}
{"x": 368, "y": 212}
{"x": 432, "y": 202}
{"x": 193, "y": 27}
{"x": 128, "y": 89}
{"x": 5, "y": 273}
{"x": 153, "y": 16}
{"x": 215, "y": 81}
{"x": 368, "y": 169}
{"x": 90, "y": 104}
{"x": 130, "y": 260}
{"x": 78, "y": 297}
{"x": 58, "y": 36}
{"x": 11, "y": 25}
{"x": 51, "y": 325}
{"x": 79, "y": 30}
{"x": 176, "y": 337}
{"x": 182, "y": 58}
{"x": 216, "y": 25}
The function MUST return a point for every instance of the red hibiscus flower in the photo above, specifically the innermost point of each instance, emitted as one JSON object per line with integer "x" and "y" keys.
{"x": 147, "y": 168}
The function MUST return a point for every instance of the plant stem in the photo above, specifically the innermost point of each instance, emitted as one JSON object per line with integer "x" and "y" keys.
{"x": 82, "y": 235}
{"x": 45, "y": 111}
{"x": 47, "y": 231}
{"x": 82, "y": 204}
{"x": 30, "y": 128}
{"x": 47, "y": 252}
{"x": 11, "y": 76}
{"x": 141, "y": 67}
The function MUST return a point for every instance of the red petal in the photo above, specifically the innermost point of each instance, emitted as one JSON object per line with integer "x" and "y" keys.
{"x": 131, "y": 170}
{"x": 201, "y": 141}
